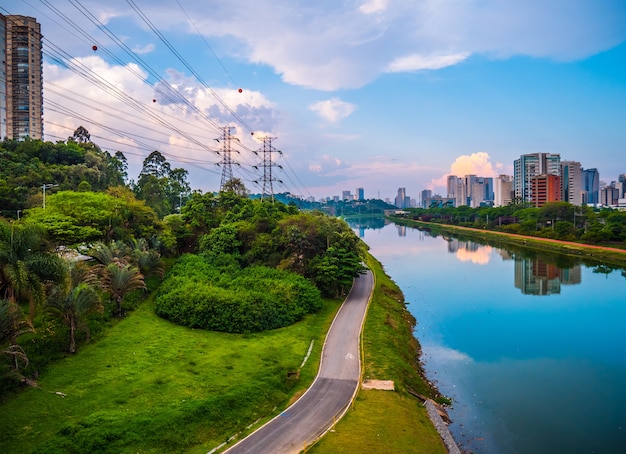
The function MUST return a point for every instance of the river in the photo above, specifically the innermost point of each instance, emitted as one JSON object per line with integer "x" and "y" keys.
{"x": 531, "y": 348}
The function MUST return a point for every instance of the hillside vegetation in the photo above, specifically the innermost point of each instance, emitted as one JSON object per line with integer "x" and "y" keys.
{"x": 80, "y": 248}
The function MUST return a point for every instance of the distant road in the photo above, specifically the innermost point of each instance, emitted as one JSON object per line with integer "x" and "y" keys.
{"x": 331, "y": 392}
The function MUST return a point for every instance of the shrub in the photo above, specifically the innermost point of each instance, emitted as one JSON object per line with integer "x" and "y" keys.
{"x": 199, "y": 293}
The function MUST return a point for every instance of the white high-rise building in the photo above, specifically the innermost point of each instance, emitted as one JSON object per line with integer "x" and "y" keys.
{"x": 503, "y": 190}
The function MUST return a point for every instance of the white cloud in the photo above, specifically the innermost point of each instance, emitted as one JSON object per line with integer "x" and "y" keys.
{"x": 474, "y": 164}
{"x": 333, "y": 110}
{"x": 443, "y": 354}
{"x": 374, "y": 6}
{"x": 478, "y": 164}
{"x": 418, "y": 62}
{"x": 134, "y": 115}
{"x": 480, "y": 256}
{"x": 329, "y": 45}
{"x": 144, "y": 49}
{"x": 327, "y": 164}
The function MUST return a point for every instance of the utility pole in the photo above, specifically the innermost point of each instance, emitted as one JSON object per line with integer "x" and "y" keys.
{"x": 44, "y": 187}
{"x": 268, "y": 179}
{"x": 227, "y": 150}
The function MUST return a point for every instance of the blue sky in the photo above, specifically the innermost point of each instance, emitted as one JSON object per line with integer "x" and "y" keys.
{"x": 377, "y": 94}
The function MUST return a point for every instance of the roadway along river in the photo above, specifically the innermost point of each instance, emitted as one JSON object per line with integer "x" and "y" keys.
{"x": 332, "y": 391}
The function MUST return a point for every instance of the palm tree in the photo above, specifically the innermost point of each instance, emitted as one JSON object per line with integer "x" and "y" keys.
{"x": 147, "y": 260}
{"x": 25, "y": 266}
{"x": 12, "y": 325}
{"x": 118, "y": 279}
{"x": 74, "y": 301}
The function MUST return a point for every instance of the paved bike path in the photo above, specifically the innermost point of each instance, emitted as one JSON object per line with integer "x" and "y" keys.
{"x": 332, "y": 391}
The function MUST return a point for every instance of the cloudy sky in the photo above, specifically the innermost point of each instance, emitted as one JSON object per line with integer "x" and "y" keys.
{"x": 377, "y": 94}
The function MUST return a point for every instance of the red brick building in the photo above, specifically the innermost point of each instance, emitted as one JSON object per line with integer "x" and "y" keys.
{"x": 545, "y": 188}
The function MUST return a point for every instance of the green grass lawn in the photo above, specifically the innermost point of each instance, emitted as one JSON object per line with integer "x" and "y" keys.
{"x": 148, "y": 386}
{"x": 151, "y": 386}
{"x": 382, "y": 422}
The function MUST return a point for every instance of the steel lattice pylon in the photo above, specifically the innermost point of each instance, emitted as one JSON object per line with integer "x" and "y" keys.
{"x": 227, "y": 161}
{"x": 268, "y": 178}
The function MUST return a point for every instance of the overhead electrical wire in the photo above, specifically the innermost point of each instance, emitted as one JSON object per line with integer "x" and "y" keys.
{"x": 171, "y": 95}
{"x": 181, "y": 59}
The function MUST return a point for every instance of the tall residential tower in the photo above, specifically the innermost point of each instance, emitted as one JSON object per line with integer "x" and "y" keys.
{"x": 21, "y": 88}
{"x": 530, "y": 166}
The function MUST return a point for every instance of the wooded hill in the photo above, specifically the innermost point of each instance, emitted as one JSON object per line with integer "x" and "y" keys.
{"x": 101, "y": 245}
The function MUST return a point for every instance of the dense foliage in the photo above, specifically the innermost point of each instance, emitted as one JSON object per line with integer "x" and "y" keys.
{"x": 200, "y": 293}
{"x": 265, "y": 264}
{"x": 30, "y": 164}
{"x": 555, "y": 220}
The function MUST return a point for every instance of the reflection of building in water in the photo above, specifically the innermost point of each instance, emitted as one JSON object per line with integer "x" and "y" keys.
{"x": 571, "y": 276}
{"x": 454, "y": 245}
{"x": 537, "y": 277}
{"x": 506, "y": 255}
{"x": 401, "y": 230}
{"x": 361, "y": 231}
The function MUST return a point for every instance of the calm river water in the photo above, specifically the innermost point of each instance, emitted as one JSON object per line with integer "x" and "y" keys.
{"x": 531, "y": 349}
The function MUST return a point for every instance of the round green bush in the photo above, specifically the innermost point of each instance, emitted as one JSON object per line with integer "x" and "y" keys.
{"x": 200, "y": 295}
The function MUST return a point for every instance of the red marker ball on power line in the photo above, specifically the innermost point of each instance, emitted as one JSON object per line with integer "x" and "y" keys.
{"x": 154, "y": 100}
{"x": 240, "y": 90}
{"x": 94, "y": 48}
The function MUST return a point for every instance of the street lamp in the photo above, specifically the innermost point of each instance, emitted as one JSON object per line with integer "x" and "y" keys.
{"x": 44, "y": 187}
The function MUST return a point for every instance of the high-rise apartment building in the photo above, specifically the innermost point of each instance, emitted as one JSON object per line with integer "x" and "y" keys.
{"x": 503, "y": 190}
{"x": 591, "y": 187}
{"x": 402, "y": 200}
{"x": 360, "y": 194}
{"x": 572, "y": 182}
{"x": 529, "y": 166}
{"x": 21, "y": 88}
{"x": 426, "y": 194}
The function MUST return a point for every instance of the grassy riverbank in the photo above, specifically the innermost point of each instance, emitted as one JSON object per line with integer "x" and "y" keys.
{"x": 586, "y": 252}
{"x": 150, "y": 386}
{"x": 387, "y": 421}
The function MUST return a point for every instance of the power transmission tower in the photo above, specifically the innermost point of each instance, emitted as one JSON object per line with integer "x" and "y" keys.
{"x": 227, "y": 150}
{"x": 268, "y": 178}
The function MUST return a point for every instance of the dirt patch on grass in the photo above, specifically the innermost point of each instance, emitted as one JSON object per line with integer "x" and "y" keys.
{"x": 385, "y": 385}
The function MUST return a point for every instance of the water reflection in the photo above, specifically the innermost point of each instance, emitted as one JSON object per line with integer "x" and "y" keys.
{"x": 526, "y": 374}
{"x": 538, "y": 277}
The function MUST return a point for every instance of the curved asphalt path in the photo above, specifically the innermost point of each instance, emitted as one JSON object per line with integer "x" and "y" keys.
{"x": 332, "y": 391}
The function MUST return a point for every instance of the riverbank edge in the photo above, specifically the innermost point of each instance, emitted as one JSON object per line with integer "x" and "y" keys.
{"x": 391, "y": 351}
{"x": 434, "y": 403}
{"x": 587, "y": 252}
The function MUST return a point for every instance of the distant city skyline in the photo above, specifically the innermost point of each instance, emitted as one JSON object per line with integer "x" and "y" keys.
{"x": 372, "y": 94}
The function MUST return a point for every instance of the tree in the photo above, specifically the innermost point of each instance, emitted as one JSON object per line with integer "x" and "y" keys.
{"x": 178, "y": 187}
{"x": 12, "y": 325}
{"x": 81, "y": 135}
{"x": 77, "y": 217}
{"x": 25, "y": 265}
{"x": 147, "y": 260}
{"x": 118, "y": 279}
{"x": 156, "y": 165}
{"x": 118, "y": 276}
{"x": 75, "y": 300}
